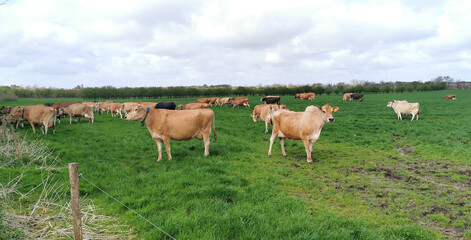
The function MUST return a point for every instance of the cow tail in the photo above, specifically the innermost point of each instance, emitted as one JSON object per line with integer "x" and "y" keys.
{"x": 214, "y": 128}
{"x": 271, "y": 114}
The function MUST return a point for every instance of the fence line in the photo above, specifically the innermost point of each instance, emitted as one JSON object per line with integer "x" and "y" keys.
{"x": 109, "y": 195}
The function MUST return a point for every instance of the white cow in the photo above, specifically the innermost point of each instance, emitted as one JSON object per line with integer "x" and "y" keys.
{"x": 404, "y": 107}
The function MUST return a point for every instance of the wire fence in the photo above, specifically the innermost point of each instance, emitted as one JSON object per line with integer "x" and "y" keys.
{"x": 115, "y": 199}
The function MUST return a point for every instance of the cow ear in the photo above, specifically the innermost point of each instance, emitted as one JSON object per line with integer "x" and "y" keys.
{"x": 320, "y": 108}
{"x": 335, "y": 109}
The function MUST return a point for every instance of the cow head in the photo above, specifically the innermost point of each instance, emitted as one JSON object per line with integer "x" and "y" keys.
{"x": 137, "y": 113}
{"x": 328, "y": 111}
{"x": 390, "y": 103}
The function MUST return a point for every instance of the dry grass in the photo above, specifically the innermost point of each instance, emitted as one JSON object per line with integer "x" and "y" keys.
{"x": 49, "y": 217}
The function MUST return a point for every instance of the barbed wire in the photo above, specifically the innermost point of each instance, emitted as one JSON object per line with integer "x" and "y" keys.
{"x": 109, "y": 195}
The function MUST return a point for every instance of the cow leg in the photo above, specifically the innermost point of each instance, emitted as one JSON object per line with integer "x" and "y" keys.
{"x": 272, "y": 139}
{"x": 206, "y": 144}
{"x": 70, "y": 119}
{"x": 308, "y": 147}
{"x": 282, "y": 143}
{"x": 32, "y": 126}
{"x": 120, "y": 115}
{"x": 412, "y": 117}
{"x": 159, "y": 148}
{"x": 266, "y": 127}
{"x": 167, "y": 147}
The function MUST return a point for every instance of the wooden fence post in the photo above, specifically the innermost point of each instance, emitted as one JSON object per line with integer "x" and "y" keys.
{"x": 75, "y": 200}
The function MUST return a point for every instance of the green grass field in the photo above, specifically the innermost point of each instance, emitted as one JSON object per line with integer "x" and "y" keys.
{"x": 373, "y": 176}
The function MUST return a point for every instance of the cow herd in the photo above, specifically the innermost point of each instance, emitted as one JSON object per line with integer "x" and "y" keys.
{"x": 196, "y": 120}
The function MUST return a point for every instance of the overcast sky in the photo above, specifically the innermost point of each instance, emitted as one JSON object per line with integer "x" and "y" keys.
{"x": 65, "y": 43}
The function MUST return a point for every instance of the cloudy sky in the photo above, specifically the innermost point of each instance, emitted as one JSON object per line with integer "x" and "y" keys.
{"x": 140, "y": 43}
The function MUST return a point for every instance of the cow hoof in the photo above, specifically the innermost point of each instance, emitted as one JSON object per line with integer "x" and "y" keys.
{"x": 269, "y": 154}
{"x": 310, "y": 162}
{"x": 158, "y": 160}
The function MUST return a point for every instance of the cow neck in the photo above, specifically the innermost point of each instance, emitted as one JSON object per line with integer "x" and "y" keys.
{"x": 145, "y": 117}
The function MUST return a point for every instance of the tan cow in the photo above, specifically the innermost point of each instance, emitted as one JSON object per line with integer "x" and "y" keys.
{"x": 214, "y": 101}
{"x": 266, "y": 113}
{"x": 305, "y": 126}
{"x": 192, "y": 106}
{"x": 17, "y": 119}
{"x": 79, "y": 110}
{"x": 117, "y": 108}
{"x": 309, "y": 96}
{"x": 128, "y": 106}
{"x": 105, "y": 106}
{"x": 347, "y": 96}
{"x": 453, "y": 97}
{"x": 164, "y": 125}
{"x": 146, "y": 104}
{"x": 404, "y": 107}
{"x": 240, "y": 102}
{"x": 38, "y": 115}
{"x": 202, "y": 100}
{"x": 223, "y": 101}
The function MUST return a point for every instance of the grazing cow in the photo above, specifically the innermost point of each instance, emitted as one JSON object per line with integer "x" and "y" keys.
{"x": 309, "y": 96}
{"x": 117, "y": 108}
{"x": 38, "y": 115}
{"x": 11, "y": 118}
{"x": 202, "y": 100}
{"x": 264, "y": 113}
{"x": 357, "y": 96}
{"x": 347, "y": 96}
{"x": 79, "y": 110}
{"x": 165, "y": 105}
{"x": 192, "y": 106}
{"x": 305, "y": 126}
{"x": 271, "y": 99}
{"x": 404, "y": 107}
{"x": 240, "y": 102}
{"x": 453, "y": 97}
{"x": 164, "y": 125}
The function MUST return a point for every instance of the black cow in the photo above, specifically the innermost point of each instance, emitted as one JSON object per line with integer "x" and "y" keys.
{"x": 48, "y": 104}
{"x": 357, "y": 96}
{"x": 165, "y": 105}
{"x": 271, "y": 99}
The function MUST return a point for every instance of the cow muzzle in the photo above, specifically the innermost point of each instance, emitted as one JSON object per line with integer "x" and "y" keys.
{"x": 331, "y": 119}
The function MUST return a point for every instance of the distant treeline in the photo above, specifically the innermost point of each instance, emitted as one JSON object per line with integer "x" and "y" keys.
{"x": 109, "y": 92}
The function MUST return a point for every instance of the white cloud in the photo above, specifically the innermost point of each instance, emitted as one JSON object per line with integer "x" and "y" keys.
{"x": 238, "y": 42}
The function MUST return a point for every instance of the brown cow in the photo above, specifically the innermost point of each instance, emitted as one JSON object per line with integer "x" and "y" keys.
{"x": 265, "y": 113}
{"x": 15, "y": 120}
{"x": 347, "y": 96}
{"x": 192, "y": 106}
{"x": 39, "y": 115}
{"x": 214, "y": 101}
{"x": 79, "y": 110}
{"x": 453, "y": 97}
{"x": 309, "y": 96}
{"x": 305, "y": 126}
{"x": 105, "y": 106}
{"x": 164, "y": 125}
{"x": 5, "y": 109}
{"x": 117, "y": 108}
{"x": 128, "y": 106}
{"x": 240, "y": 102}
{"x": 202, "y": 100}
{"x": 59, "y": 107}
{"x": 223, "y": 101}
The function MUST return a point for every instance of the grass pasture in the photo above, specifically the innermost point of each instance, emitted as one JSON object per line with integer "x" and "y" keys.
{"x": 373, "y": 176}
